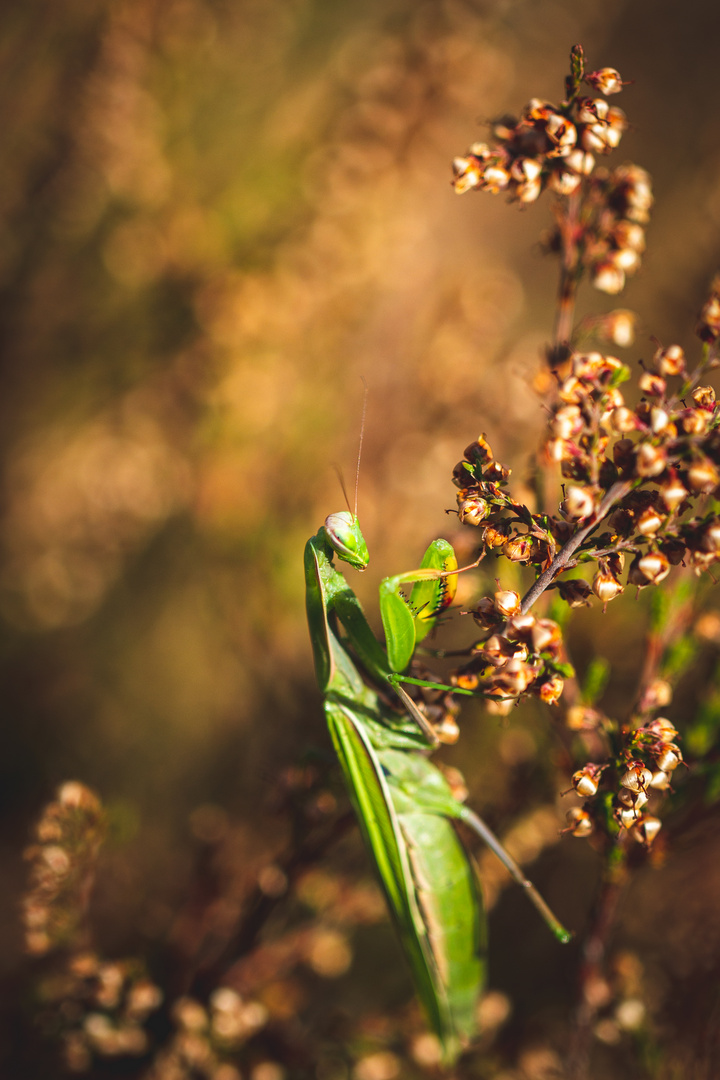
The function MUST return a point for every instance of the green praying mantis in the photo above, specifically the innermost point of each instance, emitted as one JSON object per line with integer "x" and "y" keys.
{"x": 403, "y": 802}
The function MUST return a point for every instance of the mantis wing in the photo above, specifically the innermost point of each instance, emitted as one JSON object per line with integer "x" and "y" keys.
{"x": 427, "y": 877}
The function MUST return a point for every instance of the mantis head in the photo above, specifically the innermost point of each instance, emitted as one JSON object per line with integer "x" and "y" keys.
{"x": 343, "y": 533}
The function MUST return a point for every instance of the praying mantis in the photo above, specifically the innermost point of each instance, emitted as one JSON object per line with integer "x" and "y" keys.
{"x": 404, "y": 804}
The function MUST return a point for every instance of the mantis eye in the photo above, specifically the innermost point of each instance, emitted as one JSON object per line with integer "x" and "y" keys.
{"x": 343, "y": 532}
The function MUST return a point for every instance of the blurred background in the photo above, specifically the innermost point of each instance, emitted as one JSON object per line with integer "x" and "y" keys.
{"x": 215, "y": 218}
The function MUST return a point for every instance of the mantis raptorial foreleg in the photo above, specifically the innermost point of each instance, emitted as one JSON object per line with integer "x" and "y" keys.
{"x": 403, "y": 802}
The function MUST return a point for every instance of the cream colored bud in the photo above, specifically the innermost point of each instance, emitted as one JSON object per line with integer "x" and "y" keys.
{"x": 563, "y": 182}
{"x": 507, "y": 603}
{"x": 608, "y": 278}
{"x": 467, "y": 174}
{"x": 659, "y": 420}
{"x": 660, "y": 781}
{"x": 567, "y": 422}
{"x": 668, "y": 759}
{"x": 528, "y": 191}
{"x": 605, "y": 586}
{"x": 654, "y": 567}
{"x": 669, "y": 361}
{"x": 586, "y": 780}
{"x": 650, "y": 460}
{"x": 472, "y": 511}
{"x": 649, "y": 521}
{"x": 652, "y": 384}
{"x": 695, "y": 421}
{"x": 646, "y": 830}
{"x": 524, "y": 169}
{"x": 673, "y": 493}
{"x": 623, "y": 420}
{"x": 703, "y": 476}
{"x": 627, "y": 816}
{"x": 579, "y": 822}
{"x": 637, "y": 776}
{"x": 592, "y": 109}
{"x": 661, "y": 727}
{"x": 551, "y": 690}
{"x": 580, "y": 162}
{"x": 578, "y": 503}
{"x": 619, "y": 327}
{"x": 606, "y": 80}
{"x": 626, "y": 258}
{"x": 633, "y": 799}
{"x": 711, "y": 536}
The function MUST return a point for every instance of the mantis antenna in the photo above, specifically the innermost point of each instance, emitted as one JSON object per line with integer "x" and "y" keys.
{"x": 360, "y": 445}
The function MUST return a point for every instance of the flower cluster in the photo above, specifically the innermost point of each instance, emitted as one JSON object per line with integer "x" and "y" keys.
{"x": 556, "y": 147}
{"x": 633, "y": 788}
{"x": 67, "y": 840}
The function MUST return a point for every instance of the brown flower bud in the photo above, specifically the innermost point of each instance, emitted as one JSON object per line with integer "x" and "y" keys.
{"x": 564, "y": 182}
{"x": 660, "y": 727}
{"x": 649, "y": 521}
{"x": 575, "y": 592}
{"x": 608, "y": 277}
{"x": 520, "y": 548}
{"x": 695, "y": 421}
{"x": 649, "y": 569}
{"x": 567, "y": 422}
{"x": 668, "y": 759}
{"x": 633, "y": 799}
{"x": 551, "y": 689}
{"x": 673, "y": 492}
{"x": 586, "y": 780}
{"x": 652, "y": 384}
{"x": 546, "y": 636}
{"x": 507, "y": 602}
{"x": 578, "y": 503}
{"x": 605, "y": 80}
{"x": 485, "y": 614}
{"x": 580, "y": 162}
{"x": 669, "y": 361}
{"x": 623, "y": 420}
{"x": 467, "y": 173}
{"x": 660, "y": 781}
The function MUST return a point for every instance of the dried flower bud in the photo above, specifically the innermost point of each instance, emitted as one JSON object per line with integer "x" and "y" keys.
{"x": 662, "y": 728}
{"x": 649, "y": 569}
{"x": 551, "y": 689}
{"x": 646, "y": 830}
{"x": 668, "y": 759}
{"x": 649, "y": 521}
{"x": 529, "y": 191}
{"x": 656, "y": 696}
{"x": 580, "y": 162}
{"x": 703, "y": 476}
{"x": 579, "y": 822}
{"x": 605, "y": 80}
{"x": 546, "y": 636}
{"x": 578, "y": 503}
{"x": 669, "y": 361}
{"x": 618, "y": 327}
{"x": 650, "y": 460}
{"x": 575, "y": 592}
{"x": 467, "y": 173}
{"x": 704, "y": 397}
{"x": 495, "y": 536}
{"x": 659, "y": 420}
{"x": 708, "y": 327}
{"x": 652, "y": 384}
{"x": 582, "y": 718}
{"x": 627, "y": 816}
{"x": 673, "y": 493}
{"x": 636, "y": 777}
{"x": 586, "y": 780}
{"x": 567, "y": 422}
{"x": 507, "y": 603}
{"x": 564, "y": 182}
{"x": 608, "y": 277}
{"x": 520, "y": 548}
{"x": 605, "y": 586}
{"x": 525, "y": 169}
{"x": 660, "y": 781}
{"x": 623, "y": 420}
{"x": 472, "y": 511}
{"x": 591, "y": 110}
{"x": 485, "y": 614}
{"x": 635, "y": 800}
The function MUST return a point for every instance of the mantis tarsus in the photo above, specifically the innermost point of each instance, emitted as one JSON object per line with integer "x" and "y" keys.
{"x": 404, "y": 805}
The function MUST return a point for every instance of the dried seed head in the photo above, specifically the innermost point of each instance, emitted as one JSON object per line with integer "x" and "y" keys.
{"x": 529, "y": 191}
{"x": 567, "y": 422}
{"x": 649, "y": 521}
{"x": 485, "y": 614}
{"x": 627, "y": 816}
{"x": 580, "y": 161}
{"x": 695, "y": 421}
{"x": 662, "y": 728}
{"x": 660, "y": 781}
{"x": 546, "y": 636}
{"x": 704, "y": 397}
{"x": 525, "y": 169}
{"x": 520, "y": 548}
{"x": 590, "y": 110}
{"x": 636, "y": 777}
{"x": 563, "y": 181}
{"x": 467, "y": 173}
{"x": 579, "y": 822}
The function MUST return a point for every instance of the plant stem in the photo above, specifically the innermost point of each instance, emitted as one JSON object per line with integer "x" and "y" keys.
{"x": 593, "y": 959}
{"x": 613, "y": 495}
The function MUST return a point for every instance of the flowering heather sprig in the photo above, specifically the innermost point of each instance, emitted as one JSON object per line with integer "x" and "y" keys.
{"x": 67, "y": 840}
{"x": 556, "y": 146}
